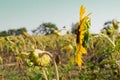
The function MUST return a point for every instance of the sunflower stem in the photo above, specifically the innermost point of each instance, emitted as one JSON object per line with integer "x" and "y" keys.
{"x": 54, "y": 63}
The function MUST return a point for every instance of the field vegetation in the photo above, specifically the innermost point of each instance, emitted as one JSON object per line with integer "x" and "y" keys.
{"x": 53, "y": 56}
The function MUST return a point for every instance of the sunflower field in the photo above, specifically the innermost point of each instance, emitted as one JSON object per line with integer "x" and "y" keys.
{"x": 79, "y": 56}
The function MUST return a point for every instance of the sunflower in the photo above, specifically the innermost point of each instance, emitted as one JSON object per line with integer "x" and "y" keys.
{"x": 82, "y": 35}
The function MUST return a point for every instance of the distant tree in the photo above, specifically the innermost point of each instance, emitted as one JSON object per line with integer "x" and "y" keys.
{"x": 13, "y": 32}
{"x": 21, "y": 31}
{"x": 3, "y": 33}
{"x": 45, "y": 29}
{"x": 74, "y": 27}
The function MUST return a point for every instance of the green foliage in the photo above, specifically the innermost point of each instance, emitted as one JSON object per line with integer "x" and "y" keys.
{"x": 101, "y": 60}
{"x": 87, "y": 33}
{"x": 45, "y": 29}
{"x": 34, "y": 73}
{"x": 13, "y": 32}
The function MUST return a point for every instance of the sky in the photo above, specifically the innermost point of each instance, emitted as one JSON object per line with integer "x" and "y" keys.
{"x": 32, "y": 13}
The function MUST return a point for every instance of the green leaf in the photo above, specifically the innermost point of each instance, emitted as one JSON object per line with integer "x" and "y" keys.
{"x": 29, "y": 63}
{"x": 108, "y": 61}
{"x": 37, "y": 77}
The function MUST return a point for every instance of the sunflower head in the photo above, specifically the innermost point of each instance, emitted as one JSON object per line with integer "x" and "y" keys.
{"x": 82, "y": 35}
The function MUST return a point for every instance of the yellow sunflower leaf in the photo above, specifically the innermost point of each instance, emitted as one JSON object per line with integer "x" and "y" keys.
{"x": 82, "y": 11}
{"x": 83, "y": 50}
{"x": 81, "y": 37}
{"x": 78, "y": 59}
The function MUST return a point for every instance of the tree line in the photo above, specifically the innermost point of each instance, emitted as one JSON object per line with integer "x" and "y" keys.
{"x": 48, "y": 28}
{"x": 44, "y": 29}
{"x": 13, "y": 32}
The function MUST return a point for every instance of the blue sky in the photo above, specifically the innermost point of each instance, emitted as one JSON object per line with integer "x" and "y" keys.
{"x": 31, "y": 13}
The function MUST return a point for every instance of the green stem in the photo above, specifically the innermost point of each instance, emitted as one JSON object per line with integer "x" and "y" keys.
{"x": 54, "y": 63}
{"x": 44, "y": 73}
